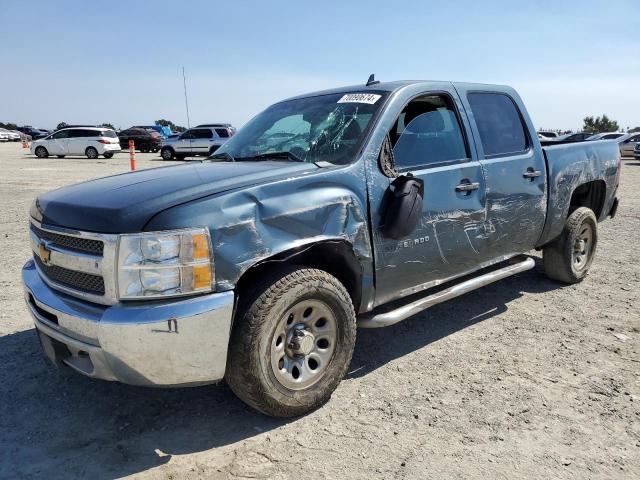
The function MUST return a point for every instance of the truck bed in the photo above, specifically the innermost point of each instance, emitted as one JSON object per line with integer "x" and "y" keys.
{"x": 570, "y": 165}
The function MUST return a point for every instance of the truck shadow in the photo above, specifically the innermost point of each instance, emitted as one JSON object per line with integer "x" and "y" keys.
{"x": 62, "y": 425}
{"x": 377, "y": 347}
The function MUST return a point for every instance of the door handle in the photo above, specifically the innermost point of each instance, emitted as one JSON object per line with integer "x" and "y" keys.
{"x": 467, "y": 186}
{"x": 531, "y": 173}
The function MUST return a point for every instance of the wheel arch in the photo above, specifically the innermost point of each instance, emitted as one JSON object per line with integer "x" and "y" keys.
{"x": 335, "y": 256}
{"x": 591, "y": 195}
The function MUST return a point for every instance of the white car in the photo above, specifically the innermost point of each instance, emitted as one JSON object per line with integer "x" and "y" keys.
{"x": 605, "y": 136}
{"x": 4, "y": 136}
{"x": 10, "y": 135}
{"x": 89, "y": 141}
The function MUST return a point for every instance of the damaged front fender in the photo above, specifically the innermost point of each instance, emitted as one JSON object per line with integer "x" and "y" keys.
{"x": 253, "y": 224}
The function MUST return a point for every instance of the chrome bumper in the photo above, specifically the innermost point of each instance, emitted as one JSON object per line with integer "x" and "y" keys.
{"x": 170, "y": 343}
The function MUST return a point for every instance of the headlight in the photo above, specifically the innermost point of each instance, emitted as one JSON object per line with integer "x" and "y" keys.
{"x": 159, "y": 264}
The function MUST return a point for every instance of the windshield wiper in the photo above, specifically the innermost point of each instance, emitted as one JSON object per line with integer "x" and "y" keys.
{"x": 225, "y": 155}
{"x": 283, "y": 154}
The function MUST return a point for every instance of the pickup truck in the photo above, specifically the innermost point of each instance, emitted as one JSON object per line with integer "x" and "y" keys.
{"x": 358, "y": 206}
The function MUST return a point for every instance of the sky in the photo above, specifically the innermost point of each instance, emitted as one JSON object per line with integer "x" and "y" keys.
{"x": 121, "y": 61}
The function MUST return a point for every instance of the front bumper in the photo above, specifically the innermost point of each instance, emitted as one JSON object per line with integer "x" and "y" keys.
{"x": 171, "y": 343}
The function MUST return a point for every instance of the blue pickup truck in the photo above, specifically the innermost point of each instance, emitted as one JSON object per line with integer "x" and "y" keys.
{"x": 358, "y": 206}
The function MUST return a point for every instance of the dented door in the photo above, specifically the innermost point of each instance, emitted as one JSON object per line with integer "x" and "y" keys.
{"x": 451, "y": 236}
{"x": 514, "y": 169}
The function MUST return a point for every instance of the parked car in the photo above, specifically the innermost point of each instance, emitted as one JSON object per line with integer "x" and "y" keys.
{"x": 23, "y": 136}
{"x": 4, "y": 136}
{"x": 164, "y": 132}
{"x": 605, "y": 136}
{"x": 199, "y": 141}
{"x": 550, "y": 135}
{"x": 144, "y": 140}
{"x": 567, "y": 138}
{"x": 257, "y": 265}
{"x": 628, "y": 143}
{"x": 11, "y": 135}
{"x": 220, "y": 129}
{"x": 89, "y": 141}
{"x": 636, "y": 151}
{"x": 574, "y": 137}
{"x": 34, "y": 133}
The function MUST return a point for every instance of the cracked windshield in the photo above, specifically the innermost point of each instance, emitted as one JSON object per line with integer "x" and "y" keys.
{"x": 326, "y": 128}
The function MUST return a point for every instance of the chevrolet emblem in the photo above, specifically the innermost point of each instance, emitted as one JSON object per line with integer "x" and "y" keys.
{"x": 44, "y": 253}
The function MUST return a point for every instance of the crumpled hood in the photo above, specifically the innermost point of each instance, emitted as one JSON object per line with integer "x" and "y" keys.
{"x": 125, "y": 203}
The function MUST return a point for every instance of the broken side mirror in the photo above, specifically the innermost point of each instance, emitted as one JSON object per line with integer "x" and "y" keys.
{"x": 403, "y": 207}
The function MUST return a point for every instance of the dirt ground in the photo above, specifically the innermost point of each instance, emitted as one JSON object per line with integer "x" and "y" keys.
{"x": 522, "y": 379}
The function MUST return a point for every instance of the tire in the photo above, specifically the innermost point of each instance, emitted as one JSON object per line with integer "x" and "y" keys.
{"x": 265, "y": 352}
{"x": 167, "y": 153}
{"x": 108, "y": 155}
{"x": 41, "y": 152}
{"x": 568, "y": 258}
{"x": 212, "y": 150}
{"x": 91, "y": 153}
{"x": 60, "y": 156}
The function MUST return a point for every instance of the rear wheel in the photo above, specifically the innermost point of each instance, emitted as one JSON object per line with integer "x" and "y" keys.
{"x": 41, "y": 152}
{"x": 167, "y": 153}
{"x": 292, "y": 342}
{"x": 568, "y": 258}
{"x": 91, "y": 153}
{"x": 108, "y": 155}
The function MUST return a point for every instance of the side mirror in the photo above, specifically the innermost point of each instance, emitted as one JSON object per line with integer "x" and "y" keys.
{"x": 403, "y": 207}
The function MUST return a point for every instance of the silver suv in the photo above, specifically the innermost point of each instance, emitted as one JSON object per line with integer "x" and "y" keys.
{"x": 195, "y": 141}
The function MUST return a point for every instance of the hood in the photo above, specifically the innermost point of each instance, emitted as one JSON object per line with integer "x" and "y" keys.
{"x": 125, "y": 203}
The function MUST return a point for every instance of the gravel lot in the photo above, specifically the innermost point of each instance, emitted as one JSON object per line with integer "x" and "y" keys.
{"x": 522, "y": 379}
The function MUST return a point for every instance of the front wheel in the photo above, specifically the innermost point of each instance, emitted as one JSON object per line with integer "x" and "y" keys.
{"x": 568, "y": 258}
{"x": 41, "y": 152}
{"x": 167, "y": 153}
{"x": 292, "y": 342}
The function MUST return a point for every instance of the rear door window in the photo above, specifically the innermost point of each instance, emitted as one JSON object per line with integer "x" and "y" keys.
{"x": 500, "y": 124}
{"x": 202, "y": 133}
{"x": 222, "y": 132}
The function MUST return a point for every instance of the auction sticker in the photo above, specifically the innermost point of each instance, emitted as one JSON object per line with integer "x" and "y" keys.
{"x": 369, "y": 98}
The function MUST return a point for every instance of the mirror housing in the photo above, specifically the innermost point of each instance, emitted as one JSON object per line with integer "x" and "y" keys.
{"x": 403, "y": 207}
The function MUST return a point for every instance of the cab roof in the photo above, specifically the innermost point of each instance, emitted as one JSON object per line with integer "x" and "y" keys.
{"x": 396, "y": 85}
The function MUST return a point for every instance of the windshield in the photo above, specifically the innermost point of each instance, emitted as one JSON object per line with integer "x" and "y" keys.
{"x": 326, "y": 128}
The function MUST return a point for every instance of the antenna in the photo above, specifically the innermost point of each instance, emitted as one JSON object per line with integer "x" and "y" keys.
{"x": 186, "y": 101}
{"x": 372, "y": 80}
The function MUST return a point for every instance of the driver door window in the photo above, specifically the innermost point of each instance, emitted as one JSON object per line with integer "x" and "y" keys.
{"x": 428, "y": 133}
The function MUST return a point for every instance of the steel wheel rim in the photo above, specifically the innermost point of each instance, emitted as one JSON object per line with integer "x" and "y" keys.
{"x": 299, "y": 368}
{"x": 582, "y": 247}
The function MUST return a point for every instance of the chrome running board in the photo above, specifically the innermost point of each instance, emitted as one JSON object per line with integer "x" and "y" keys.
{"x": 394, "y": 316}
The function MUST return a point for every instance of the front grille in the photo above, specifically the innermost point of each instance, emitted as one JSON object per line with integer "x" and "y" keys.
{"x": 85, "y": 245}
{"x": 84, "y": 282}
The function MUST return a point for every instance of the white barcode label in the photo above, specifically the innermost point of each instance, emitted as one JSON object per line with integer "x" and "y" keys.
{"x": 369, "y": 98}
